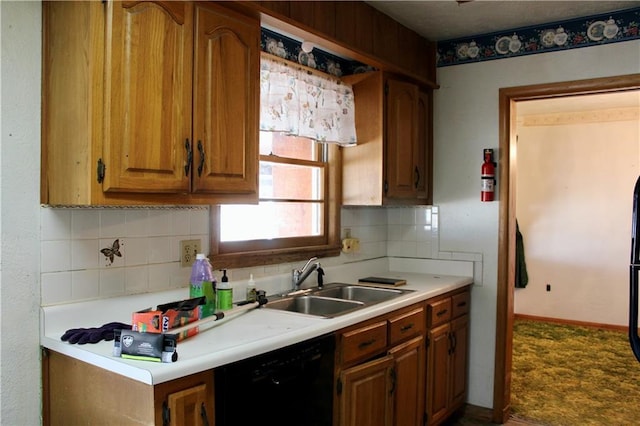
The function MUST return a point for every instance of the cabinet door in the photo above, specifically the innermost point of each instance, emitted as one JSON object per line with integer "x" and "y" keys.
{"x": 367, "y": 397}
{"x": 401, "y": 139}
{"x": 185, "y": 401}
{"x": 226, "y": 101}
{"x": 148, "y": 64}
{"x": 460, "y": 333}
{"x": 438, "y": 373}
{"x": 189, "y": 407}
{"x": 409, "y": 382}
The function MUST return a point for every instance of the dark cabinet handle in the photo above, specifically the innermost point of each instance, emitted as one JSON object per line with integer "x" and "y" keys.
{"x": 392, "y": 373}
{"x": 366, "y": 344}
{"x": 201, "y": 165}
{"x": 203, "y": 415}
{"x": 406, "y": 327}
{"x": 417, "y": 172}
{"x": 166, "y": 418}
{"x": 100, "y": 170}
{"x": 187, "y": 147}
{"x": 442, "y": 312}
{"x": 461, "y": 304}
{"x": 455, "y": 342}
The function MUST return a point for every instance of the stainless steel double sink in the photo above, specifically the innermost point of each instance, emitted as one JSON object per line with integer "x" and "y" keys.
{"x": 334, "y": 299}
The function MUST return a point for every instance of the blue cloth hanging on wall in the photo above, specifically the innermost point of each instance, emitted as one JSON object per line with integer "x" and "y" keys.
{"x": 522, "y": 278}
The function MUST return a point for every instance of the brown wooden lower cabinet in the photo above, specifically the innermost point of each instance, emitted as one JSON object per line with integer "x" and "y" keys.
{"x": 366, "y": 397}
{"x": 409, "y": 382}
{"x": 79, "y": 393}
{"x": 380, "y": 371}
{"x": 447, "y": 348}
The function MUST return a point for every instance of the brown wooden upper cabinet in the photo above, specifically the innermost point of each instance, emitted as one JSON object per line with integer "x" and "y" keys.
{"x": 392, "y": 162}
{"x": 175, "y": 119}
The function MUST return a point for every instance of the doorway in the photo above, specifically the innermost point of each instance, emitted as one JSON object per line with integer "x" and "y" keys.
{"x": 508, "y": 97}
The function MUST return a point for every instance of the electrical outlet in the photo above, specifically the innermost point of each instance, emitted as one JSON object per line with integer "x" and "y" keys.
{"x": 350, "y": 245}
{"x": 188, "y": 251}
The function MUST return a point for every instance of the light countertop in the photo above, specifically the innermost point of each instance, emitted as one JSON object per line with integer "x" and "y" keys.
{"x": 231, "y": 339}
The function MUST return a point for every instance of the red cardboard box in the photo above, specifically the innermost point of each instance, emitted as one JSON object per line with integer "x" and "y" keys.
{"x": 168, "y": 316}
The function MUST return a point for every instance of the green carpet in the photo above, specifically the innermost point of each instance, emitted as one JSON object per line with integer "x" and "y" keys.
{"x": 568, "y": 375}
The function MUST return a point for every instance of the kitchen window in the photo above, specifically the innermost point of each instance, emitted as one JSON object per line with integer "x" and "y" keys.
{"x": 297, "y": 215}
{"x": 304, "y": 118}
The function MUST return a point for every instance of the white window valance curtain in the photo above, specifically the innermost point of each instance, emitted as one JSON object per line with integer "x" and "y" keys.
{"x": 299, "y": 103}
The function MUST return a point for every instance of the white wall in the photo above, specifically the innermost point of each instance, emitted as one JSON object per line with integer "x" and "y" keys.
{"x": 465, "y": 122}
{"x": 20, "y": 33}
{"x": 574, "y": 206}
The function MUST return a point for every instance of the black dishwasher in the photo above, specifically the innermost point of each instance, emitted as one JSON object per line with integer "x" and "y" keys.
{"x": 288, "y": 386}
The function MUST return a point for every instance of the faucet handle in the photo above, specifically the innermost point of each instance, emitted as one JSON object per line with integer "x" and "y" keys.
{"x": 308, "y": 262}
{"x": 320, "y": 276}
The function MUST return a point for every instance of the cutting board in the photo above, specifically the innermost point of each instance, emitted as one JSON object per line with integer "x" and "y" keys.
{"x": 382, "y": 282}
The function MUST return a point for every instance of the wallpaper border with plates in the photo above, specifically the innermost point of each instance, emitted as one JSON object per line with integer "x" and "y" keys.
{"x": 580, "y": 32}
{"x": 291, "y": 49}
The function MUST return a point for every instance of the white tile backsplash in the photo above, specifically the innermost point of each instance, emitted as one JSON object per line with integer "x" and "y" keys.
{"x": 180, "y": 222}
{"x": 74, "y": 269}
{"x": 112, "y": 223}
{"x": 199, "y": 221}
{"x": 55, "y": 287}
{"x": 112, "y": 282}
{"x": 55, "y": 255}
{"x": 85, "y": 224}
{"x": 158, "y": 249}
{"x": 136, "y": 279}
{"x": 55, "y": 224}
{"x": 85, "y": 284}
{"x": 135, "y": 251}
{"x": 85, "y": 254}
{"x": 159, "y": 222}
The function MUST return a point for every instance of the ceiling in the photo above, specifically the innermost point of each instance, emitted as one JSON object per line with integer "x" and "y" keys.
{"x": 438, "y": 20}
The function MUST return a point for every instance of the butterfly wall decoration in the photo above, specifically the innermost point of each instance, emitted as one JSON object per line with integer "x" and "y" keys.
{"x": 112, "y": 251}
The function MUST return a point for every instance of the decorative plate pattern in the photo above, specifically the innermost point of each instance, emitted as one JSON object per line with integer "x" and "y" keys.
{"x": 473, "y": 50}
{"x": 463, "y": 51}
{"x": 502, "y": 45}
{"x": 514, "y": 44}
{"x": 614, "y": 27}
{"x": 596, "y": 31}
{"x": 547, "y": 38}
{"x": 610, "y": 29}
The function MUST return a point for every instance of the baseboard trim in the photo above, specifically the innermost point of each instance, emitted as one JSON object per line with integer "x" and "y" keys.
{"x": 612, "y": 327}
{"x": 477, "y": 413}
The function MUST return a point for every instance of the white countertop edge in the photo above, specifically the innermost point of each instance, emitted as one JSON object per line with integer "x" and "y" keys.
{"x": 425, "y": 285}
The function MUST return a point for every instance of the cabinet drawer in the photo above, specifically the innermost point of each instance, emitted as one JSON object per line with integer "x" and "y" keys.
{"x": 406, "y": 325}
{"x": 439, "y": 312}
{"x": 364, "y": 341}
{"x": 460, "y": 304}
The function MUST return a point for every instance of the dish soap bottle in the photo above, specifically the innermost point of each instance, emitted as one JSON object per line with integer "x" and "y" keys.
{"x": 203, "y": 283}
{"x": 251, "y": 289}
{"x": 225, "y": 293}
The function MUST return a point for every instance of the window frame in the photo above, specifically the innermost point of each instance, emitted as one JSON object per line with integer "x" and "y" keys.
{"x": 282, "y": 250}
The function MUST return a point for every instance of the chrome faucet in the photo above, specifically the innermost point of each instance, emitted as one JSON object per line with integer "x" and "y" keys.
{"x": 299, "y": 275}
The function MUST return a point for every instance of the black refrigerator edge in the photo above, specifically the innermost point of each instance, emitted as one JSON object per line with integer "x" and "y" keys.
{"x": 634, "y": 269}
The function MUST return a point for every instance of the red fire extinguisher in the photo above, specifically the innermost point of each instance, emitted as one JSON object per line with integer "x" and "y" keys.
{"x": 488, "y": 176}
